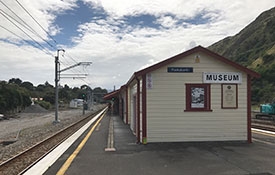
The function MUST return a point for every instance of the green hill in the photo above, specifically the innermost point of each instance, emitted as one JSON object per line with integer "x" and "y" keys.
{"x": 254, "y": 47}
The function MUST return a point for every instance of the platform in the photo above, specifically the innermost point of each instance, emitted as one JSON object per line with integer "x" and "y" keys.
{"x": 164, "y": 158}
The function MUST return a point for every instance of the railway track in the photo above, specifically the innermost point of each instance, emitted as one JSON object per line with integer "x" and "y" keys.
{"x": 263, "y": 124}
{"x": 24, "y": 160}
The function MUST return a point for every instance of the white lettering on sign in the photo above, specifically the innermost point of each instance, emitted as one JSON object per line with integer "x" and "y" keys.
{"x": 222, "y": 77}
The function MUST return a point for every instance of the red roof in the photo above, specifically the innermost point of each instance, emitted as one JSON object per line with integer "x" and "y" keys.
{"x": 189, "y": 52}
{"x": 111, "y": 94}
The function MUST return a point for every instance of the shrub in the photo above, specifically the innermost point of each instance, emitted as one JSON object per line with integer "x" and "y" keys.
{"x": 44, "y": 104}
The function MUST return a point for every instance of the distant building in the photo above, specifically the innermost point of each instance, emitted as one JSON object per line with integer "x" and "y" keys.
{"x": 35, "y": 99}
{"x": 197, "y": 95}
{"x": 76, "y": 103}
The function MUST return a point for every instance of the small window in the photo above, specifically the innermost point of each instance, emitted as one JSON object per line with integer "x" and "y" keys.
{"x": 198, "y": 97}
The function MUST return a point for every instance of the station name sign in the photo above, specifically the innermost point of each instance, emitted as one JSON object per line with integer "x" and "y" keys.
{"x": 222, "y": 77}
{"x": 180, "y": 69}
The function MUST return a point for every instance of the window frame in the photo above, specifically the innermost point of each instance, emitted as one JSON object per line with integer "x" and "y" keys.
{"x": 207, "y": 98}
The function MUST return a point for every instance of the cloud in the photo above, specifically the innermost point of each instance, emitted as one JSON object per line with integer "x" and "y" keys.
{"x": 125, "y": 37}
{"x": 43, "y": 11}
{"x": 25, "y": 62}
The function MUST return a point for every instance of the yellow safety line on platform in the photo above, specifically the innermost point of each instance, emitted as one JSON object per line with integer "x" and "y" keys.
{"x": 69, "y": 161}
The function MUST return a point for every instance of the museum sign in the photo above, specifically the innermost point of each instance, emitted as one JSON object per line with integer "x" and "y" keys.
{"x": 222, "y": 77}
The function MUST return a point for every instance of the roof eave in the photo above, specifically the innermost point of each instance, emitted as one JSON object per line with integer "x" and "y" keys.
{"x": 189, "y": 52}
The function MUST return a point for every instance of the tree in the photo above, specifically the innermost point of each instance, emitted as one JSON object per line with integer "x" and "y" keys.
{"x": 99, "y": 93}
{"x": 25, "y": 96}
{"x": 40, "y": 87}
{"x": 27, "y": 85}
{"x": 49, "y": 97}
{"x": 15, "y": 94}
{"x": 13, "y": 97}
{"x": 85, "y": 87}
{"x": 47, "y": 84}
{"x": 15, "y": 81}
{"x": 64, "y": 94}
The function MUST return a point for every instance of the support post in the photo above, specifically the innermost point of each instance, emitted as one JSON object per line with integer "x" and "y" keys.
{"x": 57, "y": 76}
{"x": 56, "y": 89}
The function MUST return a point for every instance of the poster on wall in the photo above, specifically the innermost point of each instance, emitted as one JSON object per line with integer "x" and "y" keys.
{"x": 197, "y": 97}
{"x": 149, "y": 81}
{"x": 229, "y": 96}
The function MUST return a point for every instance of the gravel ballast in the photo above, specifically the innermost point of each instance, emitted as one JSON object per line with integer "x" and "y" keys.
{"x": 29, "y": 128}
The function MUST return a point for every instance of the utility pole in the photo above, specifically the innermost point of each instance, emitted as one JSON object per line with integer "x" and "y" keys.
{"x": 57, "y": 77}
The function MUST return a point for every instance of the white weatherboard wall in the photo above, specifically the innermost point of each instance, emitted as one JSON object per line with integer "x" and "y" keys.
{"x": 166, "y": 102}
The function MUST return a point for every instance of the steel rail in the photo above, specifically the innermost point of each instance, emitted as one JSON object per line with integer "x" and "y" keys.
{"x": 21, "y": 162}
{"x": 263, "y": 124}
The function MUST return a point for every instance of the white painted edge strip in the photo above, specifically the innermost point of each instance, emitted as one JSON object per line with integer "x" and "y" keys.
{"x": 110, "y": 142}
{"x": 43, "y": 165}
{"x": 263, "y": 131}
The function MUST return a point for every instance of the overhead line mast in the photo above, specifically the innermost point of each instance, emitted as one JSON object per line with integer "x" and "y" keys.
{"x": 57, "y": 79}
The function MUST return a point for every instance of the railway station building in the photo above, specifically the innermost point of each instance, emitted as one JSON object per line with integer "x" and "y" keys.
{"x": 196, "y": 95}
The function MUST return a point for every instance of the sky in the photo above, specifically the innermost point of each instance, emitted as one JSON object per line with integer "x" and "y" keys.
{"x": 118, "y": 37}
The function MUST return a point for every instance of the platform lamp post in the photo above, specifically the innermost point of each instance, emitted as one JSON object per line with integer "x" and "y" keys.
{"x": 57, "y": 78}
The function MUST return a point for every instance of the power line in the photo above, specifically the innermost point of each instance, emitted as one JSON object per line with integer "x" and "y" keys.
{"x": 29, "y": 28}
{"x": 3, "y": 14}
{"x": 24, "y": 39}
{"x": 17, "y": 16}
{"x": 18, "y": 36}
{"x": 73, "y": 70}
{"x": 72, "y": 58}
{"x": 36, "y": 21}
{"x": 76, "y": 72}
{"x": 41, "y": 26}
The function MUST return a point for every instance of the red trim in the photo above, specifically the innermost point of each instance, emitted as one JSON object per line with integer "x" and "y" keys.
{"x": 249, "y": 136}
{"x": 235, "y": 97}
{"x": 207, "y": 98}
{"x": 120, "y": 106}
{"x": 127, "y": 120}
{"x": 189, "y": 52}
{"x": 144, "y": 110}
{"x": 111, "y": 94}
{"x": 134, "y": 117}
{"x": 138, "y": 111}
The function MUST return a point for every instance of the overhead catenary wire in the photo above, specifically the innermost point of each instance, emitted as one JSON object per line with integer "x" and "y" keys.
{"x": 36, "y": 21}
{"x": 26, "y": 41}
{"x": 17, "y": 16}
{"x": 41, "y": 26}
{"x": 33, "y": 42}
{"x": 24, "y": 23}
{"x": 29, "y": 28}
{"x": 73, "y": 59}
{"x": 76, "y": 71}
{"x": 42, "y": 47}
